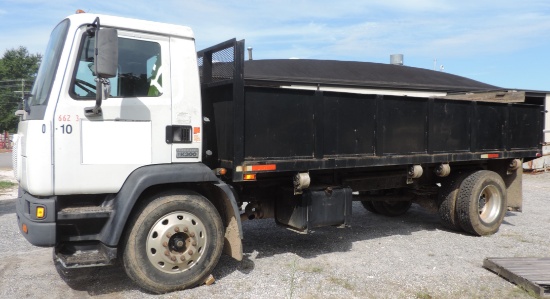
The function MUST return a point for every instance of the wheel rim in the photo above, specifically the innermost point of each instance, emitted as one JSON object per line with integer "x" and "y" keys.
{"x": 489, "y": 204}
{"x": 176, "y": 242}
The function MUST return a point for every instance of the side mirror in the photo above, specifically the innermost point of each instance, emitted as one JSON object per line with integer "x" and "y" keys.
{"x": 106, "y": 63}
{"x": 107, "y": 53}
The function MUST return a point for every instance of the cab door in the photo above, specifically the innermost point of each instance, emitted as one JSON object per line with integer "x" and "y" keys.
{"x": 96, "y": 153}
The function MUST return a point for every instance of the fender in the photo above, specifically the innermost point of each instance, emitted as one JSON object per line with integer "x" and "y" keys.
{"x": 144, "y": 177}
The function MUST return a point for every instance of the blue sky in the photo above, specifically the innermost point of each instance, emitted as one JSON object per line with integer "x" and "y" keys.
{"x": 504, "y": 42}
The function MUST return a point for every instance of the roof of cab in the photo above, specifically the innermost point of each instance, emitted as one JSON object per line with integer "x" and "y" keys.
{"x": 134, "y": 24}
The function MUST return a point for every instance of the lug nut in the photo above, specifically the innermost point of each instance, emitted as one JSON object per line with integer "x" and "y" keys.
{"x": 173, "y": 258}
{"x": 194, "y": 243}
{"x": 167, "y": 253}
{"x": 182, "y": 258}
{"x": 192, "y": 235}
{"x": 185, "y": 229}
{"x": 190, "y": 252}
{"x": 177, "y": 229}
{"x": 164, "y": 244}
{"x": 168, "y": 235}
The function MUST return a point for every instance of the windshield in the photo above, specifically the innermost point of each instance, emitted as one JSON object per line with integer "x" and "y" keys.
{"x": 46, "y": 74}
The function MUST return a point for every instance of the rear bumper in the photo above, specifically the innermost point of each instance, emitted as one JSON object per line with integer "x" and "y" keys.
{"x": 40, "y": 232}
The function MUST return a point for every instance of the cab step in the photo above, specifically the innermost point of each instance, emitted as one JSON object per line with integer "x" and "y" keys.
{"x": 87, "y": 212}
{"x": 84, "y": 255}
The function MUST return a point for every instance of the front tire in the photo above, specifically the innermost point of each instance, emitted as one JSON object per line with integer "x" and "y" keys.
{"x": 173, "y": 242}
{"x": 369, "y": 206}
{"x": 481, "y": 203}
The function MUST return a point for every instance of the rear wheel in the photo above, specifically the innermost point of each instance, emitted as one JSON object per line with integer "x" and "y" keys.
{"x": 369, "y": 206}
{"x": 173, "y": 242}
{"x": 481, "y": 203}
{"x": 392, "y": 208}
{"x": 447, "y": 198}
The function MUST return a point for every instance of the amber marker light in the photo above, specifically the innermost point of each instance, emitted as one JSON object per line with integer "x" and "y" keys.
{"x": 222, "y": 171}
{"x": 261, "y": 167}
{"x": 24, "y": 228}
{"x": 79, "y": 11}
{"x": 40, "y": 212}
{"x": 249, "y": 177}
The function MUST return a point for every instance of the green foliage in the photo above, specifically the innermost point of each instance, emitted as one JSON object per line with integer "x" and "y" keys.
{"x": 19, "y": 64}
{"x": 6, "y": 185}
{"x": 18, "y": 69}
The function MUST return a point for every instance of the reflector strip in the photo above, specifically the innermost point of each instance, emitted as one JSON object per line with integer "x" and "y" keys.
{"x": 265, "y": 167}
{"x": 489, "y": 156}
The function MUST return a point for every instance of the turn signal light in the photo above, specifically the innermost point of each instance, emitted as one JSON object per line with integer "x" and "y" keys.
{"x": 249, "y": 177}
{"x": 40, "y": 212}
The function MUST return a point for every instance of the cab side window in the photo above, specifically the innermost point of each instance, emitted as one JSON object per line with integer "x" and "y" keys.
{"x": 139, "y": 72}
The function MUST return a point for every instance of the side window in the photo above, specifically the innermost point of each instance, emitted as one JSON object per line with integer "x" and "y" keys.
{"x": 139, "y": 71}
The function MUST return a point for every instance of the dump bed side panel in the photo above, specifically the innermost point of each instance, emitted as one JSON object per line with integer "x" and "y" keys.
{"x": 285, "y": 124}
{"x": 262, "y": 122}
{"x": 300, "y": 130}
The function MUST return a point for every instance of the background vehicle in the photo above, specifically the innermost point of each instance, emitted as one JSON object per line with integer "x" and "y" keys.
{"x": 188, "y": 144}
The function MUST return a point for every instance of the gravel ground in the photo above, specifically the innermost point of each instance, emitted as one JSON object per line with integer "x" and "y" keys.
{"x": 378, "y": 257}
{"x": 7, "y": 175}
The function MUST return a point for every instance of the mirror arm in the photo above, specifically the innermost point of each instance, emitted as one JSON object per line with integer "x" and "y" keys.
{"x": 26, "y": 106}
{"x": 96, "y": 110}
{"x": 98, "y": 95}
{"x": 102, "y": 89}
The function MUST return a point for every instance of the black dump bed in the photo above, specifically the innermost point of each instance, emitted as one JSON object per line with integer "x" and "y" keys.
{"x": 276, "y": 113}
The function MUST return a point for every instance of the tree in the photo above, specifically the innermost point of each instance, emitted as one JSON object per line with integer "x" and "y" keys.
{"x": 18, "y": 70}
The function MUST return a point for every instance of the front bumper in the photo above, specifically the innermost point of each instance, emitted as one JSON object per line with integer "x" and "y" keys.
{"x": 39, "y": 232}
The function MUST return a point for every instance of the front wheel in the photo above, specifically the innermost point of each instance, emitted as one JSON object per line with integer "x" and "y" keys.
{"x": 481, "y": 203}
{"x": 174, "y": 242}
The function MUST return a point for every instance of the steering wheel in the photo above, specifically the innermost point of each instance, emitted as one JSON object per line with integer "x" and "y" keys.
{"x": 85, "y": 86}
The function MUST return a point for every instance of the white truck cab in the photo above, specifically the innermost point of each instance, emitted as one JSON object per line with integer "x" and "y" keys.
{"x": 156, "y": 76}
{"x": 107, "y": 123}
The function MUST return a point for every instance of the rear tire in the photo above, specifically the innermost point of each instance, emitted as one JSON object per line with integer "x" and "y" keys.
{"x": 369, "y": 207}
{"x": 447, "y": 198}
{"x": 173, "y": 242}
{"x": 392, "y": 208}
{"x": 481, "y": 203}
